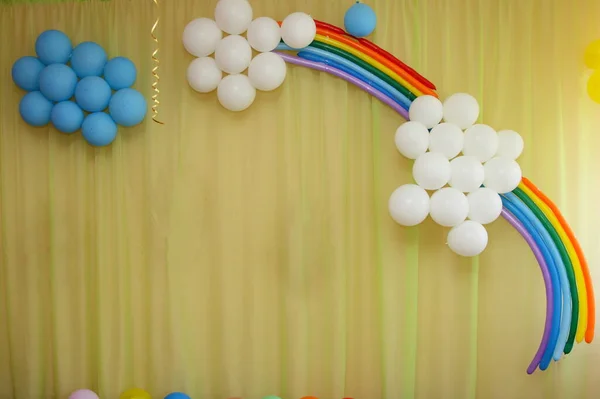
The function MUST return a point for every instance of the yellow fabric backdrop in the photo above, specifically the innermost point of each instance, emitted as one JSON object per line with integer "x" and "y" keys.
{"x": 251, "y": 254}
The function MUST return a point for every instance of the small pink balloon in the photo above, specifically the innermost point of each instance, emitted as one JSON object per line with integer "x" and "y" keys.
{"x": 84, "y": 394}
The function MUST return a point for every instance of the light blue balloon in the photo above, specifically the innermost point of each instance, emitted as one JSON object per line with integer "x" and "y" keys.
{"x": 57, "y": 82}
{"x": 98, "y": 129}
{"x": 360, "y": 20}
{"x": 53, "y": 47}
{"x": 35, "y": 109}
{"x": 88, "y": 59}
{"x": 26, "y": 73}
{"x": 177, "y": 395}
{"x": 120, "y": 73}
{"x": 92, "y": 94}
{"x": 128, "y": 107}
{"x": 271, "y": 397}
{"x": 67, "y": 117}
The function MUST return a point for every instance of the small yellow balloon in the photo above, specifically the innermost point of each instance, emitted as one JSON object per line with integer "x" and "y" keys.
{"x": 135, "y": 393}
{"x": 592, "y": 55}
{"x": 593, "y": 86}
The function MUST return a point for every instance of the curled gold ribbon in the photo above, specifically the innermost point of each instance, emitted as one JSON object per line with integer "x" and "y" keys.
{"x": 156, "y": 78}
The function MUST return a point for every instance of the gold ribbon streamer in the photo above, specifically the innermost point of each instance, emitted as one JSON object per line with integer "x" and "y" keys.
{"x": 155, "y": 72}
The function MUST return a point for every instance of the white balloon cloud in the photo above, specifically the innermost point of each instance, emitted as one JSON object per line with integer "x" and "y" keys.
{"x": 488, "y": 159}
{"x": 233, "y": 53}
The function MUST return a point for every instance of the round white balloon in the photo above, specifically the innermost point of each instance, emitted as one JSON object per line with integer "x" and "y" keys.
{"x": 431, "y": 170}
{"x": 510, "y": 144}
{"x": 298, "y": 30}
{"x": 485, "y": 205}
{"x": 236, "y": 93}
{"x": 233, "y": 54}
{"x": 446, "y": 138}
{"x": 201, "y": 36}
{"x": 481, "y": 141}
{"x": 468, "y": 238}
{"x": 264, "y": 34}
{"x": 233, "y": 16}
{"x": 204, "y": 75}
{"x": 409, "y": 205}
{"x": 467, "y": 173}
{"x": 502, "y": 175}
{"x": 426, "y": 109}
{"x": 461, "y": 109}
{"x": 267, "y": 71}
{"x": 449, "y": 207}
{"x": 412, "y": 139}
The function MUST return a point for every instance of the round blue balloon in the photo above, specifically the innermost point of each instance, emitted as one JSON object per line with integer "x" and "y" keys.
{"x": 88, "y": 59}
{"x": 99, "y": 129}
{"x": 120, "y": 73}
{"x": 26, "y": 73}
{"x": 67, "y": 117}
{"x": 35, "y": 109}
{"x": 57, "y": 82}
{"x": 92, "y": 94}
{"x": 177, "y": 395}
{"x": 128, "y": 107}
{"x": 360, "y": 20}
{"x": 53, "y": 47}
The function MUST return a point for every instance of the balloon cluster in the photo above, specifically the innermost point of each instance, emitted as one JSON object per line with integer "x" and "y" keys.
{"x": 134, "y": 393}
{"x": 592, "y": 61}
{"x": 466, "y": 165}
{"x": 72, "y": 87}
{"x": 233, "y": 53}
{"x": 137, "y": 393}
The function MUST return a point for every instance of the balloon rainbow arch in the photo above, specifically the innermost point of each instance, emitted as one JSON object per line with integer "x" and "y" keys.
{"x": 570, "y": 307}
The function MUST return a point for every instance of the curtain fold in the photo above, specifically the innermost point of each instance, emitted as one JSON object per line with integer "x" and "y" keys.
{"x": 250, "y": 254}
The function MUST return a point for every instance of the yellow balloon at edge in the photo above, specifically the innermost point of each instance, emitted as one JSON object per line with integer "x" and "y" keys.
{"x": 593, "y": 86}
{"x": 592, "y": 55}
{"x": 135, "y": 393}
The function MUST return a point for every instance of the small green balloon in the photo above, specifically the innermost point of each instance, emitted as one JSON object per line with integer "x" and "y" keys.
{"x": 271, "y": 397}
